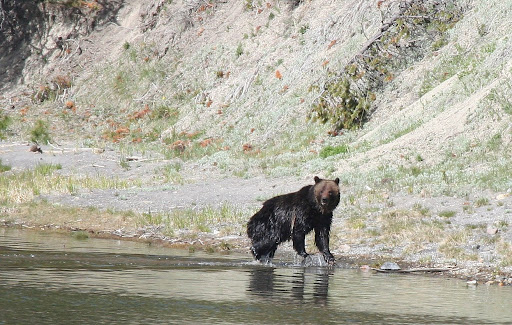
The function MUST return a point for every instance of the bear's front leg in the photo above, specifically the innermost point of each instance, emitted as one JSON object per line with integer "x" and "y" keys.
{"x": 329, "y": 258}
{"x": 299, "y": 243}
{"x": 322, "y": 242}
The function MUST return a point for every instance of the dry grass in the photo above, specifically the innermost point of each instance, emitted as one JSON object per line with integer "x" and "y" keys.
{"x": 181, "y": 224}
{"x": 24, "y": 186}
{"x": 43, "y": 214}
{"x": 452, "y": 245}
{"x": 226, "y": 220}
{"x": 410, "y": 229}
{"x": 504, "y": 249}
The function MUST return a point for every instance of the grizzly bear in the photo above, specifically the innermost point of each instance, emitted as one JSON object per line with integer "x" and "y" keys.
{"x": 293, "y": 216}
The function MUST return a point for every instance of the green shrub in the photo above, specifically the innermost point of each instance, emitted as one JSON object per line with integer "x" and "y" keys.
{"x": 80, "y": 235}
{"x": 303, "y": 29}
{"x": 346, "y": 108}
{"x": 165, "y": 112}
{"x": 239, "y": 50}
{"x": 39, "y": 133}
{"x": 447, "y": 213}
{"x": 4, "y": 168}
{"x": 481, "y": 202}
{"x": 332, "y": 151}
{"x": 4, "y": 124}
{"x": 347, "y": 95}
{"x": 249, "y": 5}
{"x": 47, "y": 169}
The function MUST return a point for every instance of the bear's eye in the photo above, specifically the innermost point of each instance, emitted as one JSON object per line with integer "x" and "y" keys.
{"x": 330, "y": 193}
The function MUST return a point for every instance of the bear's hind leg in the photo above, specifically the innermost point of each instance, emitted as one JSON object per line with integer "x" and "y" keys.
{"x": 267, "y": 258}
{"x": 264, "y": 252}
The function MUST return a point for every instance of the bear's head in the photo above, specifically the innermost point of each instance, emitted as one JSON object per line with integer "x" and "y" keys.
{"x": 327, "y": 194}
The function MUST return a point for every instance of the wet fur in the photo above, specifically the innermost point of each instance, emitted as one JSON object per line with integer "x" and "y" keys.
{"x": 293, "y": 216}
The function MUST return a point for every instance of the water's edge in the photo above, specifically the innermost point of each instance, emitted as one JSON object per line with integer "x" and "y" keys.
{"x": 47, "y": 278}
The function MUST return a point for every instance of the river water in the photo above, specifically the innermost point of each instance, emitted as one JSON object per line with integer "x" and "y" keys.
{"x": 57, "y": 279}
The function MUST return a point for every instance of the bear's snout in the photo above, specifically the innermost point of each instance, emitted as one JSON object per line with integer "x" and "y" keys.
{"x": 327, "y": 195}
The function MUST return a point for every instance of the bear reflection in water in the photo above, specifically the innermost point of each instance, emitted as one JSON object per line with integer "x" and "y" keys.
{"x": 293, "y": 216}
{"x": 304, "y": 284}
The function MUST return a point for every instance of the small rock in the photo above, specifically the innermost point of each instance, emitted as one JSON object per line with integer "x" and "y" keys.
{"x": 502, "y": 196}
{"x": 491, "y": 230}
{"x": 472, "y": 283}
{"x": 390, "y": 266}
{"x": 98, "y": 150}
{"x": 485, "y": 257}
{"x": 35, "y": 148}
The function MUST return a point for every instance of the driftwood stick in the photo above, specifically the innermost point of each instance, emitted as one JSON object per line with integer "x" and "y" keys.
{"x": 421, "y": 269}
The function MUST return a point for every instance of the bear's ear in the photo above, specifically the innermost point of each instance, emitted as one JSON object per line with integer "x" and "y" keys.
{"x": 337, "y": 181}
{"x": 317, "y": 179}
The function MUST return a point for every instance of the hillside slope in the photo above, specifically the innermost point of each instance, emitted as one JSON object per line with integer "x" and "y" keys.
{"x": 235, "y": 73}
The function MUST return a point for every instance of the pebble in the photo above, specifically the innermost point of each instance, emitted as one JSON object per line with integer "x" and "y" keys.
{"x": 392, "y": 266}
{"x": 472, "y": 282}
{"x": 491, "y": 230}
{"x": 502, "y": 196}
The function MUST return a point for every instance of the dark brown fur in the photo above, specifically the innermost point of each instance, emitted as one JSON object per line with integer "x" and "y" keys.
{"x": 293, "y": 216}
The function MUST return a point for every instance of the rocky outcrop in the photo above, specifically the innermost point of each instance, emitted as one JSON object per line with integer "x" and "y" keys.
{"x": 35, "y": 33}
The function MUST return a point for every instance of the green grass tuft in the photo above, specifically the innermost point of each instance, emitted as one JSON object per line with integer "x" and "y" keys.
{"x": 80, "y": 235}
{"x": 40, "y": 133}
{"x": 4, "y": 168}
{"x": 333, "y": 150}
{"x": 447, "y": 213}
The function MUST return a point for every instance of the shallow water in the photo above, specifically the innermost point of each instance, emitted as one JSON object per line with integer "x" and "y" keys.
{"x": 56, "y": 279}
